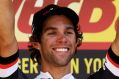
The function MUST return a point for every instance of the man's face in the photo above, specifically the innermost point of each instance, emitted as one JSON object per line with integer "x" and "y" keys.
{"x": 58, "y": 41}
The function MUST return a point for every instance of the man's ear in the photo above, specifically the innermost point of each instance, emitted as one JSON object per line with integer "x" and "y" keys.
{"x": 79, "y": 38}
{"x": 35, "y": 45}
{"x": 79, "y": 42}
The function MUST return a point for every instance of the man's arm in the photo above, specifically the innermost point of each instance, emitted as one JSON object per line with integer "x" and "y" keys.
{"x": 111, "y": 66}
{"x": 115, "y": 44}
{"x": 8, "y": 43}
{"x": 112, "y": 57}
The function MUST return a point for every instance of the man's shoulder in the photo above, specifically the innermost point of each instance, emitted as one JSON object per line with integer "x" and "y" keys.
{"x": 18, "y": 74}
{"x": 103, "y": 73}
{"x": 97, "y": 75}
{"x": 21, "y": 75}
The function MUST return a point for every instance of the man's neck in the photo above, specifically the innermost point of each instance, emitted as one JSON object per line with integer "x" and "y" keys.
{"x": 56, "y": 72}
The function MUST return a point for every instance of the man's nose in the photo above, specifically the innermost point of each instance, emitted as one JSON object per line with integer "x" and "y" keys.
{"x": 62, "y": 38}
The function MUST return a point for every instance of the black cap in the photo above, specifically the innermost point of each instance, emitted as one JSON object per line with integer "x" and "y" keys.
{"x": 50, "y": 10}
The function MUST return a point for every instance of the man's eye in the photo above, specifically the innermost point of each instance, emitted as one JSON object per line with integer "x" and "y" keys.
{"x": 52, "y": 33}
{"x": 69, "y": 32}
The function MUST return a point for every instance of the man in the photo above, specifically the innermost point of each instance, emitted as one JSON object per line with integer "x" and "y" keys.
{"x": 53, "y": 42}
{"x": 55, "y": 38}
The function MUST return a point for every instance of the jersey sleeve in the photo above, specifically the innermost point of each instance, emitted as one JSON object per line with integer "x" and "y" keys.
{"x": 110, "y": 69}
{"x": 112, "y": 62}
{"x": 9, "y": 65}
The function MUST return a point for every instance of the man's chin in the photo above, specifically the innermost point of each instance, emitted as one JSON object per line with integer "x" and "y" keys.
{"x": 63, "y": 63}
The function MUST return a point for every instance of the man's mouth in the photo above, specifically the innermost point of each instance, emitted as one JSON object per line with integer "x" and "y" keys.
{"x": 61, "y": 49}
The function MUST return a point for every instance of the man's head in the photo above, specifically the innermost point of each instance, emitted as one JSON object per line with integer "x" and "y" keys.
{"x": 55, "y": 34}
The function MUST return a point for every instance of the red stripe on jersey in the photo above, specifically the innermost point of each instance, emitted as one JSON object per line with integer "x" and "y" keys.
{"x": 4, "y": 66}
{"x": 115, "y": 64}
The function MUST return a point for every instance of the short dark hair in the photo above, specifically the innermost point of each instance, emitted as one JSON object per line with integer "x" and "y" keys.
{"x": 41, "y": 16}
